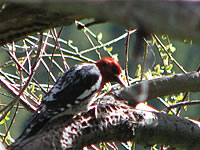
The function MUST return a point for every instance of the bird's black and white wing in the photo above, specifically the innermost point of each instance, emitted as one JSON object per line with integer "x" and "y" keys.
{"x": 71, "y": 94}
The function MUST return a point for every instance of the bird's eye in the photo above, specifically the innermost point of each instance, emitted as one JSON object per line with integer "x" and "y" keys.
{"x": 103, "y": 65}
{"x": 115, "y": 70}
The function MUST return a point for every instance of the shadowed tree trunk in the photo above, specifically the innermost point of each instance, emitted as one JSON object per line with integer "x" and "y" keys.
{"x": 178, "y": 19}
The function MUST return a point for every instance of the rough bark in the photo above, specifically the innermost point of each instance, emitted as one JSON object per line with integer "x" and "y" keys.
{"x": 158, "y": 87}
{"x": 114, "y": 116}
{"x": 113, "y": 120}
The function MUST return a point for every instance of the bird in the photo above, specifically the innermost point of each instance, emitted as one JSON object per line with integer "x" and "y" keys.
{"x": 74, "y": 91}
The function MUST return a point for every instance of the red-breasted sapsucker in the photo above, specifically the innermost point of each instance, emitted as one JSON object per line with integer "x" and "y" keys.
{"x": 74, "y": 91}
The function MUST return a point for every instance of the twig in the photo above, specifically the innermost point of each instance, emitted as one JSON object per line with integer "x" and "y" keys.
{"x": 70, "y": 53}
{"x": 126, "y": 57}
{"x": 173, "y": 60}
{"x": 57, "y": 45}
{"x": 15, "y": 91}
{"x": 108, "y": 43}
{"x": 24, "y": 69}
{"x": 193, "y": 102}
{"x": 90, "y": 40}
{"x": 11, "y": 123}
{"x": 20, "y": 107}
{"x": 170, "y": 56}
{"x": 144, "y": 61}
{"x": 34, "y": 68}
{"x": 93, "y": 35}
{"x": 48, "y": 55}
{"x": 185, "y": 96}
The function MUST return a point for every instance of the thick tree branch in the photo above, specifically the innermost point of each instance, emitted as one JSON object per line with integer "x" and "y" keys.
{"x": 179, "y": 19}
{"x": 112, "y": 120}
{"x": 166, "y": 85}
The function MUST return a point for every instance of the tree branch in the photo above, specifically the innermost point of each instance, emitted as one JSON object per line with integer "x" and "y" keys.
{"x": 113, "y": 120}
{"x": 23, "y": 17}
{"x": 158, "y": 87}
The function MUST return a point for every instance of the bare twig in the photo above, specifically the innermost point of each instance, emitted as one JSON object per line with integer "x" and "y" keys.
{"x": 24, "y": 69}
{"x": 179, "y": 104}
{"x": 126, "y": 57}
{"x": 15, "y": 91}
{"x": 57, "y": 46}
{"x": 109, "y": 43}
{"x": 34, "y": 68}
{"x": 144, "y": 61}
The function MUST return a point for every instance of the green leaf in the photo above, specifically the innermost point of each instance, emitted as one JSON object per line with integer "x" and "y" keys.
{"x": 5, "y": 119}
{"x": 33, "y": 88}
{"x": 109, "y": 49}
{"x": 138, "y": 72}
{"x": 172, "y": 49}
{"x": 164, "y": 37}
{"x": 179, "y": 97}
{"x": 99, "y": 36}
{"x": 169, "y": 68}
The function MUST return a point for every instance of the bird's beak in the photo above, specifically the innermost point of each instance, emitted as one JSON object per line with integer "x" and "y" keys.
{"x": 121, "y": 81}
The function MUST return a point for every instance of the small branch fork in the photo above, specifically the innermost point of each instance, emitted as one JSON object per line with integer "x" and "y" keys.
{"x": 117, "y": 122}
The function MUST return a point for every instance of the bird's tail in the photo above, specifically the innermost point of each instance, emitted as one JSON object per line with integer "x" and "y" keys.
{"x": 38, "y": 121}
